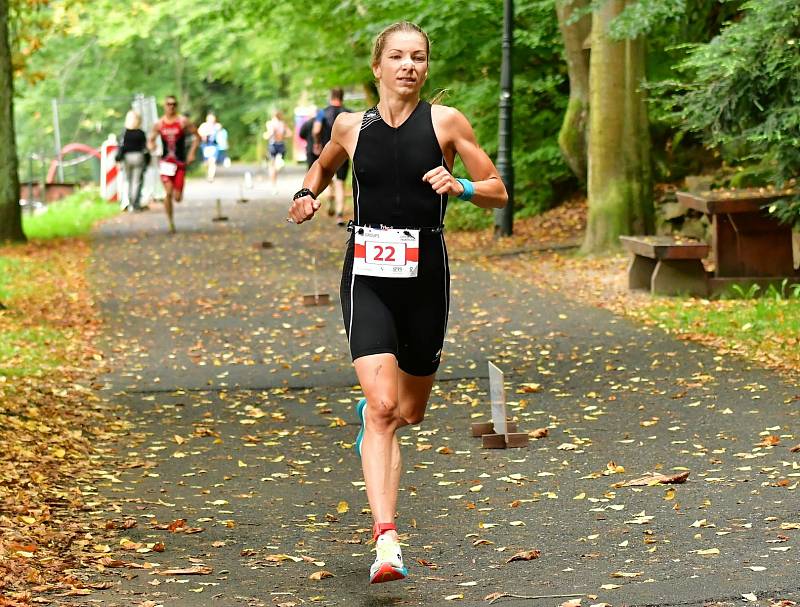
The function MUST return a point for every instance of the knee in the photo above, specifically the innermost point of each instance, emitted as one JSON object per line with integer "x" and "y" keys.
{"x": 382, "y": 414}
{"x": 414, "y": 418}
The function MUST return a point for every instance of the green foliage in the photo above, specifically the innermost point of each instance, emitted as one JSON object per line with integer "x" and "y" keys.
{"x": 253, "y": 55}
{"x": 72, "y": 216}
{"x": 740, "y": 91}
{"x": 466, "y": 217}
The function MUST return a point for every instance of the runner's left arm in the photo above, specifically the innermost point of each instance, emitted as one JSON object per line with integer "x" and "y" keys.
{"x": 490, "y": 192}
{"x": 195, "y": 142}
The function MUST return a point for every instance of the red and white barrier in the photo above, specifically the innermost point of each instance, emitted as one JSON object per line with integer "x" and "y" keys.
{"x": 109, "y": 173}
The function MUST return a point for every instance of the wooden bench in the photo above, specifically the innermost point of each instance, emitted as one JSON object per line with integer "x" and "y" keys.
{"x": 667, "y": 266}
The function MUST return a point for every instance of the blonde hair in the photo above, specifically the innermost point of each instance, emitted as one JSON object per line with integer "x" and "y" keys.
{"x": 132, "y": 120}
{"x": 400, "y": 26}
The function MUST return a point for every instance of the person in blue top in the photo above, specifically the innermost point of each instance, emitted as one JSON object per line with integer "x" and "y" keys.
{"x": 395, "y": 288}
{"x": 208, "y": 134}
{"x": 323, "y": 127}
{"x": 222, "y": 146}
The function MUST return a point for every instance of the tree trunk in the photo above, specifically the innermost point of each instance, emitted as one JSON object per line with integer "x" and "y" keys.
{"x": 572, "y": 137}
{"x": 10, "y": 212}
{"x": 619, "y": 176}
{"x": 637, "y": 139}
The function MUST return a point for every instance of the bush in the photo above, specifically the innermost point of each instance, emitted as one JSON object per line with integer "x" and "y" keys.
{"x": 741, "y": 90}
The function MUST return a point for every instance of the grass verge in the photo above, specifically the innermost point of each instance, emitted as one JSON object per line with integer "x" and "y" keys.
{"x": 766, "y": 330}
{"x": 73, "y": 216}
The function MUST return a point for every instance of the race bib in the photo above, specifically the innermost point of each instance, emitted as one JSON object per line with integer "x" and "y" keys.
{"x": 166, "y": 168}
{"x": 210, "y": 151}
{"x": 388, "y": 253}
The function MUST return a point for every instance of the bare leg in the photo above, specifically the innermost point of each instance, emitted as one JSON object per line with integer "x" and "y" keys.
{"x": 212, "y": 169}
{"x": 273, "y": 175}
{"x": 169, "y": 190}
{"x": 395, "y": 399}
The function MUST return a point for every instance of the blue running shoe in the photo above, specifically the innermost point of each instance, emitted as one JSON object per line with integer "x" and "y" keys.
{"x": 360, "y": 407}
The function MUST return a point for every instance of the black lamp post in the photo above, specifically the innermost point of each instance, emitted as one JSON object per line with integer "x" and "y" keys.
{"x": 504, "y": 218}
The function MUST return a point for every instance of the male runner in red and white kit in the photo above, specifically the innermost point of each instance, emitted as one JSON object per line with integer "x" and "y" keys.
{"x": 173, "y": 129}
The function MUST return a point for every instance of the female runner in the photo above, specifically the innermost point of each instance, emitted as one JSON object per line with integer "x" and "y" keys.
{"x": 395, "y": 287}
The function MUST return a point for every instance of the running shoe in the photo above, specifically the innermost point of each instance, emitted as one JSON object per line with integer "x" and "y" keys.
{"x": 360, "y": 411}
{"x": 388, "y": 565}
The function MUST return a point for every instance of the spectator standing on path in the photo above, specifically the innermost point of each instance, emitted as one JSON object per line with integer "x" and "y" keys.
{"x": 209, "y": 147}
{"x": 306, "y": 133}
{"x": 276, "y": 133}
{"x": 395, "y": 282}
{"x": 222, "y": 146}
{"x": 173, "y": 128}
{"x": 134, "y": 156}
{"x": 323, "y": 127}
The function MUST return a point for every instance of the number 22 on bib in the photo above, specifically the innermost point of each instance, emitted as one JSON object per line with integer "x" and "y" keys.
{"x": 386, "y": 252}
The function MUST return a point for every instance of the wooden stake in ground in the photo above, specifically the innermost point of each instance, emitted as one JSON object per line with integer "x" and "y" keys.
{"x": 220, "y": 216}
{"x": 499, "y": 433}
{"x": 316, "y": 298}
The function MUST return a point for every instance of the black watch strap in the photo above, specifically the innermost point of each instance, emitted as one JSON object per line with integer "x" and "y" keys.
{"x": 303, "y": 192}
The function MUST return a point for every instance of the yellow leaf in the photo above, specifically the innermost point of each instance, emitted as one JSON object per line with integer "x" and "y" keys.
{"x": 319, "y": 575}
{"x": 708, "y": 551}
{"x": 242, "y": 464}
{"x": 454, "y": 597}
{"x": 342, "y": 507}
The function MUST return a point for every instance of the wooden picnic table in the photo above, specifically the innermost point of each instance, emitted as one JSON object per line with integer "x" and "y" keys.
{"x": 748, "y": 244}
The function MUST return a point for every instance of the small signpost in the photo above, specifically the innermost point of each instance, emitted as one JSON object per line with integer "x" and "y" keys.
{"x": 247, "y": 185}
{"x": 499, "y": 433}
{"x": 220, "y": 216}
{"x": 316, "y": 298}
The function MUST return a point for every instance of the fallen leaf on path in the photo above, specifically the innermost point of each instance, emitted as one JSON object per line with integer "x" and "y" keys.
{"x": 654, "y": 479}
{"x": 196, "y": 570}
{"x": 320, "y": 575}
{"x": 525, "y": 555}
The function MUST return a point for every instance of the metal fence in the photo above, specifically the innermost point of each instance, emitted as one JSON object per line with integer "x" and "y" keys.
{"x": 87, "y": 121}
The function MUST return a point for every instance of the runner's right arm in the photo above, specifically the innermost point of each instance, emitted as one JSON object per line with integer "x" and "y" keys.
{"x": 322, "y": 171}
{"x": 151, "y": 138}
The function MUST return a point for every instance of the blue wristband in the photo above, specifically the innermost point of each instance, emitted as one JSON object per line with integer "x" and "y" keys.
{"x": 469, "y": 189}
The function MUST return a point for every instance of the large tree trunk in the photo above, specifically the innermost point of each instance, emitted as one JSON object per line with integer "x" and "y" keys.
{"x": 572, "y": 137}
{"x": 10, "y": 213}
{"x": 619, "y": 176}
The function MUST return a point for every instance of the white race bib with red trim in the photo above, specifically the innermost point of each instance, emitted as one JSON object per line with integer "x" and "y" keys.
{"x": 389, "y": 253}
{"x": 167, "y": 168}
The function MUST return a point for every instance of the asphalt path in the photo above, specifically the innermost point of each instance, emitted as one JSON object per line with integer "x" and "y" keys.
{"x": 239, "y": 403}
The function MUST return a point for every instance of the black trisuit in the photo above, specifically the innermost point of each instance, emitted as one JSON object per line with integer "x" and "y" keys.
{"x": 406, "y": 317}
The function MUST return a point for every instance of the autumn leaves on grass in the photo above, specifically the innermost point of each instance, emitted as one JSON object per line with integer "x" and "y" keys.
{"x": 50, "y": 420}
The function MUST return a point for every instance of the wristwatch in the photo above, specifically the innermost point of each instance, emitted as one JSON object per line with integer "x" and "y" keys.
{"x": 303, "y": 192}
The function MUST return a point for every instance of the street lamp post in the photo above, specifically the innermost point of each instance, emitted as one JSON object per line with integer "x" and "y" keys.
{"x": 504, "y": 218}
